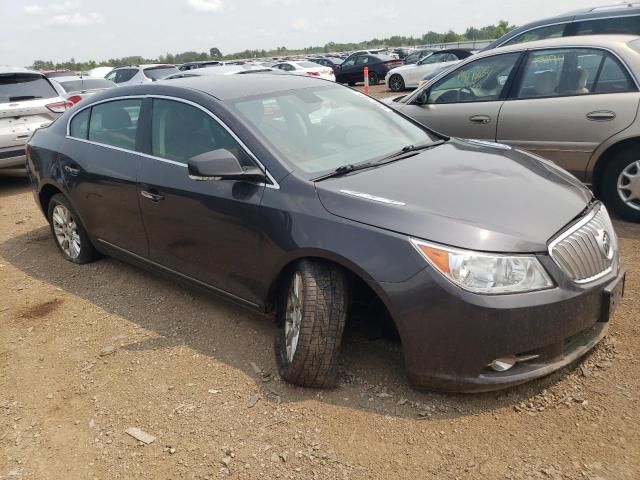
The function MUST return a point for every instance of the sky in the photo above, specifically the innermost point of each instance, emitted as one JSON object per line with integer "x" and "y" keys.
{"x": 101, "y": 29}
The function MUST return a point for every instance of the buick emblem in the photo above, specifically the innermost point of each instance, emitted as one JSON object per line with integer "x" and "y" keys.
{"x": 604, "y": 243}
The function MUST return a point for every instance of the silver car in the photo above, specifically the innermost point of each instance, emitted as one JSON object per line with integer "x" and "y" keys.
{"x": 571, "y": 100}
{"x": 75, "y": 88}
{"x": 28, "y": 101}
{"x": 135, "y": 75}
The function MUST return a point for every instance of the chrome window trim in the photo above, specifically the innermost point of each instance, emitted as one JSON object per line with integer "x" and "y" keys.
{"x": 273, "y": 183}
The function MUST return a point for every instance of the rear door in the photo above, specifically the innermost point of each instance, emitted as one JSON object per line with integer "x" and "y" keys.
{"x": 100, "y": 172}
{"x": 466, "y": 102}
{"x": 566, "y": 103}
{"x": 206, "y": 230}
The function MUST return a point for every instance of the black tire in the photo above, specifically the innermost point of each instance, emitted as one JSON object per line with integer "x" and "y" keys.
{"x": 352, "y": 84}
{"x": 609, "y": 185}
{"x": 87, "y": 251}
{"x": 396, "y": 83}
{"x": 314, "y": 361}
{"x": 374, "y": 79}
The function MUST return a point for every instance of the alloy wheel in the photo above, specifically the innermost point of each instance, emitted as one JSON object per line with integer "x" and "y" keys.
{"x": 293, "y": 315}
{"x": 395, "y": 83}
{"x": 66, "y": 231}
{"x": 629, "y": 185}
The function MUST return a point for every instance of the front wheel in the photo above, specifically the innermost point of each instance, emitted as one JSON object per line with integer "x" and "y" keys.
{"x": 311, "y": 316}
{"x": 68, "y": 232}
{"x": 396, "y": 83}
{"x": 620, "y": 185}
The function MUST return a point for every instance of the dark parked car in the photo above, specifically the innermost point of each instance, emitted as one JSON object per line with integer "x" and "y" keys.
{"x": 332, "y": 62}
{"x": 351, "y": 71}
{"x": 416, "y": 55}
{"x": 496, "y": 266}
{"x": 621, "y": 18}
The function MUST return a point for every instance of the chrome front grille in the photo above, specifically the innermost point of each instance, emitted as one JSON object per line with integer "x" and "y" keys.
{"x": 587, "y": 250}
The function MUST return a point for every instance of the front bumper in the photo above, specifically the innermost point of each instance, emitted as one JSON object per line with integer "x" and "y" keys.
{"x": 450, "y": 336}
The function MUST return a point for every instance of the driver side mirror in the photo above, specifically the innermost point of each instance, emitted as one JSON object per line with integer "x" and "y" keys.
{"x": 221, "y": 164}
{"x": 423, "y": 97}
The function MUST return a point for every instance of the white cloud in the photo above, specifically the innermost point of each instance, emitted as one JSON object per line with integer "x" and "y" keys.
{"x": 75, "y": 19}
{"x": 300, "y": 24}
{"x": 66, "y": 6}
{"x": 33, "y": 9}
{"x": 385, "y": 12}
{"x": 206, "y": 5}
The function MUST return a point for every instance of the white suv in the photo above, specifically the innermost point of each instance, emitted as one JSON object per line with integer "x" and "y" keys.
{"x": 135, "y": 75}
{"x": 28, "y": 101}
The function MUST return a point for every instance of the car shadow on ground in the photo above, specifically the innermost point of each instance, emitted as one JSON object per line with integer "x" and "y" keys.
{"x": 372, "y": 375}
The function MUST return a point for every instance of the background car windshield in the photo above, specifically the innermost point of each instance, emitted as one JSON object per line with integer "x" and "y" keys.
{"x": 319, "y": 129}
{"x": 86, "y": 84}
{"x": 160, "y": 72}
{"x": 17, "y": 85}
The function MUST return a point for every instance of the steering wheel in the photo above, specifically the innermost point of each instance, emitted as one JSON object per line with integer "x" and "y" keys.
{"x": 469, "y": 93}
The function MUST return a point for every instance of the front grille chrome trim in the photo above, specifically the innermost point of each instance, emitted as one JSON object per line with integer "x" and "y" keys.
{"x": 577, "y": 251}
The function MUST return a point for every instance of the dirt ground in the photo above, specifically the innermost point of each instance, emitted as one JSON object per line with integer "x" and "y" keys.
{"x": 86, "y": 352}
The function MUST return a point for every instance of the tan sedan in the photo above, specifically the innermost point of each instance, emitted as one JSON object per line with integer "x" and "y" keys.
{"x": 572, "y": 100}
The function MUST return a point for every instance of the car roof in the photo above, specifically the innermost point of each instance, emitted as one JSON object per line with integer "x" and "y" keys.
{"x": 608, "y": 41}
{"x": 228, "y": 87}
{"x": 7, "y": 70}
{"x": 72, "y": 78}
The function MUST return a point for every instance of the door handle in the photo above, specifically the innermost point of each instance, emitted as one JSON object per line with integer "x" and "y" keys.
{"x": 72, "y": 171}
{"x": 154, "y": 197}
{"x": 480, "y": 119}
{"x": 601, "y": 115}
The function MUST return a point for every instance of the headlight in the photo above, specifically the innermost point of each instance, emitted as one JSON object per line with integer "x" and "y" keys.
{"x": 485, "y": 272}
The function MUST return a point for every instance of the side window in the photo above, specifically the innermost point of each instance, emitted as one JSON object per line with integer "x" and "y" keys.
{"x": 613, "y": 78}
{"x": 288, "y": 68}
{"x": 180, "y": 131}
{"x": 540, "y": 33}
{"x": 479, "y": 81}
{"x": 362, "y": 60}
{"x": 79, "y": 126}
{"x": 629, "y": 25}
{"x": 349, "y": 63}
{"x": 111, "y": 76}
{"x": 567, "y": 72}
{"x": 115, "y": 123}
{"x": 125, "y": 75}
{"x": 414, "y": 57}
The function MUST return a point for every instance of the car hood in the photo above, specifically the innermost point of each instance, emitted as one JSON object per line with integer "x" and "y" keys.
{"x": 465, "y": 193}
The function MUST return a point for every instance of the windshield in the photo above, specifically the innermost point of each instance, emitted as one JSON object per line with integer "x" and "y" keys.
{"x": 156, "y": 73}
{"x": 27, "y": 85}
{"x": 319, "y": 129}
{"x": 86, "y": 84}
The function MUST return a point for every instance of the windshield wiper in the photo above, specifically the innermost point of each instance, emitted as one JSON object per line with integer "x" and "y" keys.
{"x": 343, "y": 170}
{"x": 409, "y": 150}
{"x": 23, "y": 97}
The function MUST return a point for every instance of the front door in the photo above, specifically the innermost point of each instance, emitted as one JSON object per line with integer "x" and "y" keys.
{"x": 206, "y": 230}
{"x": 566, "y": 103}
{"x": 466, "y": 103}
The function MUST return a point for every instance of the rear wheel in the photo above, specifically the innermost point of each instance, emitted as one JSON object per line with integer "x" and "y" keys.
{"x": 396, "y": 83}
{"x": 311, "y": 318}
{"x": 620, "y": 185}
{"x": 68, "y": 232}
{"x": 374, "y": 79}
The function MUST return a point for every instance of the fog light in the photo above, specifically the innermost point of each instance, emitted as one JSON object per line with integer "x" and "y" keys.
{"x": 503, "y": 364}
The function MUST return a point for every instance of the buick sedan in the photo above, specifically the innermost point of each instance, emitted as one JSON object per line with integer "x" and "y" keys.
{"x": 294, "y": 196}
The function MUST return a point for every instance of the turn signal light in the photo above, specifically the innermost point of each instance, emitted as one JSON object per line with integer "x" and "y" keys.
{"x": 440, "y": 258}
